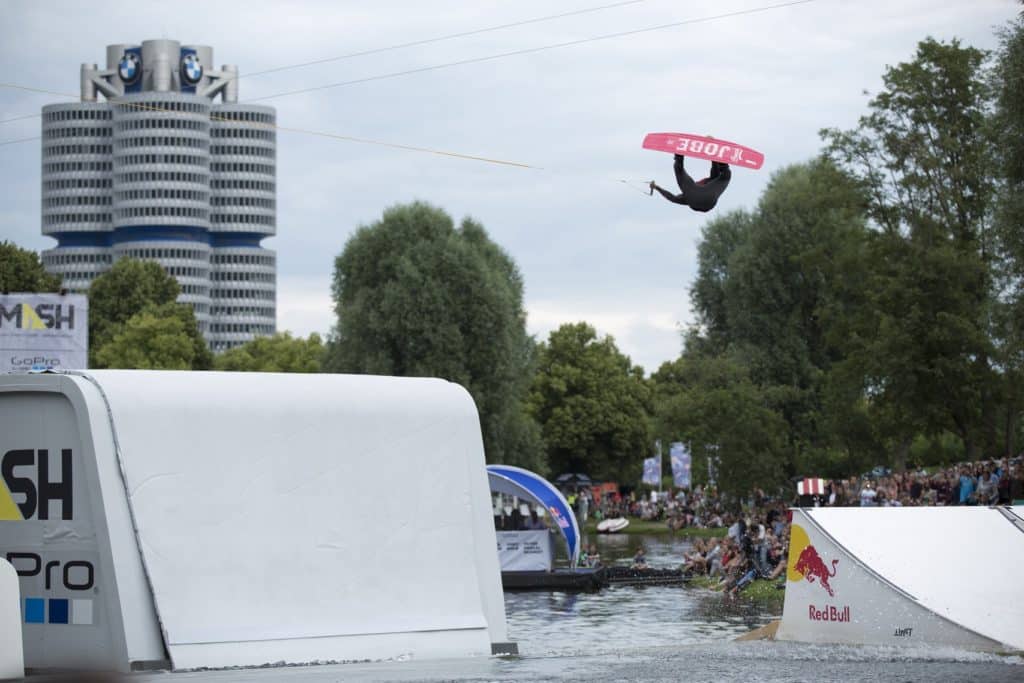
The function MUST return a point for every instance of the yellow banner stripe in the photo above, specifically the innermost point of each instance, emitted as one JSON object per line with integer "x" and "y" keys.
{"x": 9, "y": 511}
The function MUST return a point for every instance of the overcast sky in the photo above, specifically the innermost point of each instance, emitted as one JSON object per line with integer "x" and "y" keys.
{"x": 589, "y": 248}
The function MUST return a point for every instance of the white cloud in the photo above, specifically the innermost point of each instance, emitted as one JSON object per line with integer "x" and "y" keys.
{"x": 304, "y": 305}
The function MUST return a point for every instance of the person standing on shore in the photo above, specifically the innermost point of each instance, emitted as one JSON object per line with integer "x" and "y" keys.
{"x": 967, "y": 486}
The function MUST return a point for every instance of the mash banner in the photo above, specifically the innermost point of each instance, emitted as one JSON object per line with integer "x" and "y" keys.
{"x": 40, "y": 331}
{"x": 680, "y": 464}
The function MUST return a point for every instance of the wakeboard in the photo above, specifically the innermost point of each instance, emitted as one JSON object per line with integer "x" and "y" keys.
{"x": 704, "y": 147}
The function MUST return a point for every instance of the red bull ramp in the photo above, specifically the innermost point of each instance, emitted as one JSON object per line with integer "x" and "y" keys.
{"x": 947, "y": 576}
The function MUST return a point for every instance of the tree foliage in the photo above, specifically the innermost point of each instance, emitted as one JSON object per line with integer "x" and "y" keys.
{"x": 278, "y": 353}
{"x": 124, "y": 290}
{"x": 22, "y": 271}
{"x": 922, "y": 151}
{"x": 1008, "y": 311}
{"x": 873, "y": 299}
{"x": 769, "y": 284}
{"x": 592, "y": 403}
{"x": 711, "y": 404}
{"x": 921, "y": 344}
{"x": 417, "y": 296}
{"x": 130, "y": 288}
{"x": 156, "y": 338}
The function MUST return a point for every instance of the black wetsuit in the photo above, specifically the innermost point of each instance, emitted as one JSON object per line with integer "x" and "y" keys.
{"x": 700, "y": 196}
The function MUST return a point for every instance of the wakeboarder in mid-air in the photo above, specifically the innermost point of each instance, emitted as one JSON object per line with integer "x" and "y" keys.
{"x": 701, "y": 195}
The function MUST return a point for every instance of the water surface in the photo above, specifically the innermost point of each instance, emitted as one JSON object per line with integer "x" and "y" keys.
{"x": 649, "y": 633}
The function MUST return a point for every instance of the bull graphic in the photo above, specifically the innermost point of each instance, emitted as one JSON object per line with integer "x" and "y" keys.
{"x": 810, "y": 565}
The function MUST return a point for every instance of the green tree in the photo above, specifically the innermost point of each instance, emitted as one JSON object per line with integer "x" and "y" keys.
{"x": 156, "y": 338}
{"x": 127, "y": 289}
{"x": 769, "y": 286}
{"x": 1008, "y": 135}
{"x": 721, "y": 239}
{"x": 712, "y": 404}
{"x": 922, "y": 151}
{"x": 279, "y": 353}
{"x": 416, "y": 296}
{"x": 124, "y": 290}
{"x": 22, "y": 271}
{"x": 592, "y": 404}
{"x": 922, "y": 342}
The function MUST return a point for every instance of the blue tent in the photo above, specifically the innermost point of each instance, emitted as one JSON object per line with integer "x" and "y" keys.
{"x": 515, "y": 481}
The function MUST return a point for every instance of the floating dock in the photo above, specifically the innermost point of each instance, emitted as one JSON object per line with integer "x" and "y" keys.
{"x": 590, "y": 579}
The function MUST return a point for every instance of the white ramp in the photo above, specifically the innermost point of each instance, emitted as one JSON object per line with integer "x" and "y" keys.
{"x": 12, "y": 659}
{"x": 902, "y": 576}
{"x": 237, "y": 519}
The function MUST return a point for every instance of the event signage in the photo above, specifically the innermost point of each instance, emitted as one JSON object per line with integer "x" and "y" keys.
{"x": 680, "y": 457}
{"x": 41, "y": 486}
{"x": 525, "y": 551}
{"x": 39, "y": 331}
{"x": 652, "y": 471}
{"x": 48, "y": 490}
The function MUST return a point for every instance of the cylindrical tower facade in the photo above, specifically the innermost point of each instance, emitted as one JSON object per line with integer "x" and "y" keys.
{"x": 160, "y": 172}
{"x": 77, "y": 198}
{"x": 243, "y": 152}
{"x": 162, "y": 188}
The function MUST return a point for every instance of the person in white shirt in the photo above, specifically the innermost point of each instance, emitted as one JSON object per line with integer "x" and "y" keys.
{"x": 867, "y": 496}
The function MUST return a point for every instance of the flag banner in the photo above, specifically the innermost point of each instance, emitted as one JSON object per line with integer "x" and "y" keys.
{"x": 811, "y": 486}
{"x": 680, "y": 464}
{"x": 40, "y": 331}
{"x": 652, "y": 471}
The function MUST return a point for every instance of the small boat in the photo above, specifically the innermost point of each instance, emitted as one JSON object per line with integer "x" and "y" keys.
{"x": 612, "y": 526}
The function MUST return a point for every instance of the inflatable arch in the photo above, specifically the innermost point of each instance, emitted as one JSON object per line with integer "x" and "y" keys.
{"x": 515, "y": 481}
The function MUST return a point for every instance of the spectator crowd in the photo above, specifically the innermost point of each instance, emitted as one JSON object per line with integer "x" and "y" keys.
{"x": 993, "y": 482}
{"x": 756, "y": 544}
{"x": 757, "y": 539}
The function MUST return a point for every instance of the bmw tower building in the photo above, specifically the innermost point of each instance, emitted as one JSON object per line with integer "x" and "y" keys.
{"x": 160, "y": 170}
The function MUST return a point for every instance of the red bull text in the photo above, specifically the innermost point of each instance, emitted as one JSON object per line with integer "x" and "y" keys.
{"x": 828, "y": 613}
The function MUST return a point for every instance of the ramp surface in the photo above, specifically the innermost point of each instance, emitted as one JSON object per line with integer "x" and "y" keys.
{"x": 318, "y": 517}
{"x": 240, "y": 519}
{"x": 904, "y": 575}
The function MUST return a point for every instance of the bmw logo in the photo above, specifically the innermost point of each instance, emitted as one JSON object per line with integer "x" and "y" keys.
{"x": 191, "y": 69}
{"x": 129, "y": 68}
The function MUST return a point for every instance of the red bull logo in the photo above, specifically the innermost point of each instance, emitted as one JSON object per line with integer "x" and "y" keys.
{"x": 812, "y": 567}
{"x": 561, "y": 521}
{"x": 806, "y": 564}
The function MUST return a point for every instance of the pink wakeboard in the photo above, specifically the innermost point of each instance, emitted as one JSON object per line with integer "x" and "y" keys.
{"x": 703, "y": 147}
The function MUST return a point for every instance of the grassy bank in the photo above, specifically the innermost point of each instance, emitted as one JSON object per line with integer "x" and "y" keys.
{"x": 637, "y": 526}
{"x": 760, "y": 591}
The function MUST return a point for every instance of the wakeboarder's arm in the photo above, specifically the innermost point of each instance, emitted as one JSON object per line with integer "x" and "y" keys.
{"x": 675, "y": 199}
